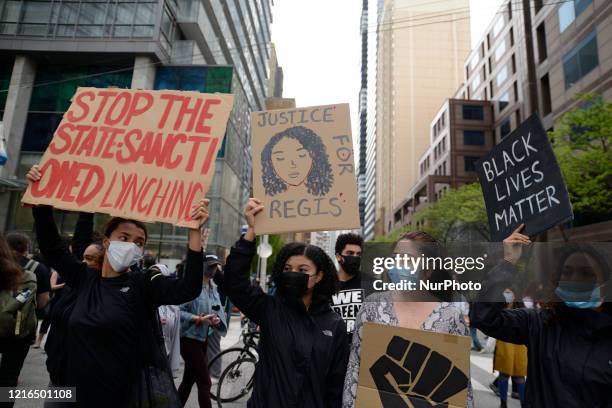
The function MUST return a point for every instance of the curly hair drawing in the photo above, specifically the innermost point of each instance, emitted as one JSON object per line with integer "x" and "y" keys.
{"x": 306, "y": 162}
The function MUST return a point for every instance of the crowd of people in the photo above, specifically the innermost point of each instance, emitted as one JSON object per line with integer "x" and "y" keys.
{"x": 117, "y": 321}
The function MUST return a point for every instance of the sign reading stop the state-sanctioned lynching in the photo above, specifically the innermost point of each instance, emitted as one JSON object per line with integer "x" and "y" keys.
{"x": 522, "y": 183}
{"x": 304, "y": 169}
{"x": 144, "y": 155}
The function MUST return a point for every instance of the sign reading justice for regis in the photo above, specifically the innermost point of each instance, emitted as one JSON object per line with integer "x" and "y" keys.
{"x": 145, "y": 155}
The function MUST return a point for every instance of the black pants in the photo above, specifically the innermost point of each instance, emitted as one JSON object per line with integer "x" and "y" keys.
{"x": 14, "y": 352}
{"x": 196, "y": 371}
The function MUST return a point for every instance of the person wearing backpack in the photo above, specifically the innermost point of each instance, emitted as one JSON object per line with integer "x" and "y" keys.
{"x": 17, "y": 316}
{"x": 20, "y": 243}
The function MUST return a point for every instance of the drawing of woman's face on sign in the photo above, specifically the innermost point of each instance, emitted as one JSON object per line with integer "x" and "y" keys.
{"x": 295, "y": 157}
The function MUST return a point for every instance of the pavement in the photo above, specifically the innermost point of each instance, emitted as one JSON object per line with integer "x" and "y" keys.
{"x": 34, "y": 375}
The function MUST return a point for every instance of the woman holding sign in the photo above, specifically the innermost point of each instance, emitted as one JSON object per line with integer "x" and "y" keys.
{"x": 114, "y": 342}
{"x": 303, "y": 349}
{"x": 569, "y": 345}
{"x": 424, "y": 310}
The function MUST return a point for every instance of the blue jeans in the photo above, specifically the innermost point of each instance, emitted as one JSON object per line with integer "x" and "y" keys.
{"x": 475, "y": 342}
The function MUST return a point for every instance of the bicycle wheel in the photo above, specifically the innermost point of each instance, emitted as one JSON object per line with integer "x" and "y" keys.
{"x": 237, "y": 380}
{"x": 227, "y": 357}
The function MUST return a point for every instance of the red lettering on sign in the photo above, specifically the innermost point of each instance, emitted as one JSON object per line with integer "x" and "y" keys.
{"x": 82, "y": 104}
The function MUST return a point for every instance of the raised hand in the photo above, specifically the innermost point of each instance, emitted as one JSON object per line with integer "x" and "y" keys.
{"x": 200, "y": 212}
{"x": 513, "y": 245}
{"x": 253, "y": 207}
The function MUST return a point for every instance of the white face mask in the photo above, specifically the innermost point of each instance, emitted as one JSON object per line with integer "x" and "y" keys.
{"x": 122, "y": 255}
{"x": 508, "y": 296}
{"x": 528, "y": 302}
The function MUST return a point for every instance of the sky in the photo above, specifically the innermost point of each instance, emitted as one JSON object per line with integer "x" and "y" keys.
{"x": 318, "y": 44}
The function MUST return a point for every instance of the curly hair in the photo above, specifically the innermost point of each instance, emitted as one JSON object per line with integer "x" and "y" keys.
{"x": 348, "y": 239}
{"x": 319, "y": 180}
{"x": 327, "y": 286}
{"x": 10, "y": 270}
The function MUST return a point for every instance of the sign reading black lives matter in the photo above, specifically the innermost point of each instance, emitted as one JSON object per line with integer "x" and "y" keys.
{"x": 522, "y": 183}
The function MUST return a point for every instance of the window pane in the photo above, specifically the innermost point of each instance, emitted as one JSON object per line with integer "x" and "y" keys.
{"x": 122, "y": 31}
{"x": 500, "y": 51}
{"x": 566, "y": 15}
{"x": 505, "y": 129}
{"x": 476, "y": 82}
{"x": 502, "y": 75}
{"x": 36, "y": 12}
{"x": 145, "y": 14}
{"x": 504, "y": 100}
{"x": 33, "y": 29}
{"x": 473, "y": 112}
{"x": 8, "y": 28}
{"x": 143, "y": 31}
{"x": 125, "y": 13}
{"x": 89, "y": 31}
{"x": 68, "y": 13}
{"x": 65, "y": 30}
{"x": 473, "y": 137}
{"x": 11, "y": 11}
{"x": 499, "y": 25}
{"x": 588, "y": 57}
{"x": 470, "y": 163}
{"x": 39, "y": 131}
{"x": 581, "y": 5}
{"x": 92, "y": 13}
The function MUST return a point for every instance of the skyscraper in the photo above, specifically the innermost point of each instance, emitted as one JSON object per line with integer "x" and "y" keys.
{"x": 48, "y": 49}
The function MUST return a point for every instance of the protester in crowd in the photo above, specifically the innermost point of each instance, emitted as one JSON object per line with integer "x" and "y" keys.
{"x": 431, "y": 311}
{"x": 17, "y": 316}
{"x": 510, "y": 360}
{"x": 57, "y": 285}
{"x": 111, "y": 326}
{"x": 148, "y": 260}
{"x": 212, "y": 268}
{"x": 20, "y": 243}
{"x": 349, "y": 298}
{"x": 303, "y": 349}
{"x": 198, "y": 317}
{"x": 569, "y": 344}
{"x": 170, "y": 320}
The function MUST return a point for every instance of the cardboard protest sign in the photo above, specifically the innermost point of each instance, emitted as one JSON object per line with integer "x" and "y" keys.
{"x": 144, "y": 155}
{"x": 407, "y": 368}
{"x": 522, "y": 183}
{"x": 303, "y": 169}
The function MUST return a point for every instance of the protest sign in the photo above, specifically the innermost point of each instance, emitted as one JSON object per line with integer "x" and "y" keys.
{"x": 144, "y": 155}
{"x": 304, "y": 169}
{"x": 407, "y": 368}
{"x": 522, "y": 183}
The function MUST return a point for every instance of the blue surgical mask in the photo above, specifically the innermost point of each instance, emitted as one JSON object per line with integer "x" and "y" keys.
{"x": 399, "y": 274}
{"x": 580, "y": 295}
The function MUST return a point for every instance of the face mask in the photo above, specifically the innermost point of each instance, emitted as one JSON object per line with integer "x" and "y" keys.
{"x": 528, "y": 302}
{"x": 508, "y": 296}
{"x": 407, "y": 274}
{"x": 350, "y": 264}
{"x": 293, "y": 285}
{"x": 580, "y": 295}
{"x": 122, "y": 255}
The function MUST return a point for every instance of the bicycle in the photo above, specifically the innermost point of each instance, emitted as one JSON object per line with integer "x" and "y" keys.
{"x": 236, "y": 378}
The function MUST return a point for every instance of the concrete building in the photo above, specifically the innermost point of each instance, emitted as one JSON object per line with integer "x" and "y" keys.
{"x": 363, "y": 112}
{"x": 47, "y": 49}
{"x": 275, "y": 79}
{"x": 534, "y": 57}
{"x": 421, "y": 50}
{"x": 461, "y": 132}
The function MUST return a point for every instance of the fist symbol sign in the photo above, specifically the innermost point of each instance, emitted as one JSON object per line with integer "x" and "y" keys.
{"x": 411, "y": 375}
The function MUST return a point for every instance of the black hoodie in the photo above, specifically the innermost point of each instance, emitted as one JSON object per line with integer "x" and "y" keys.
{"x": 569, "y": 350}
{"x": 303, "y": 355}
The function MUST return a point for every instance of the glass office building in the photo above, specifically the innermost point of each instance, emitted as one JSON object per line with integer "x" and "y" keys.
{"x": 48, "y": 49}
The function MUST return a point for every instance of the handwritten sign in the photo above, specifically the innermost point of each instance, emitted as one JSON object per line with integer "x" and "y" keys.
{"x": 144, "y": 155}
{"x": 522, "y": 183}
{"x": 407, "y": 368}
{"x": 304, "y": 169}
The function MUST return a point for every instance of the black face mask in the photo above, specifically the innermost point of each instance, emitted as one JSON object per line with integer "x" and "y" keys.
{"x": 293, "y": 285}
{"x": 350, "y": 264}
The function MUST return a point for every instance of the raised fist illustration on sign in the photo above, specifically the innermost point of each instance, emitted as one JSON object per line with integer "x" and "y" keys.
{"x": 411, "y": 375}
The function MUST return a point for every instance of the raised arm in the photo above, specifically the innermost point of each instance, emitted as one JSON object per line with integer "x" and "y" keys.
{"x": 169, "y": 291}
{"x": 490, "y": 317}
{"x": 83, "y": 233}
{"x": 237, "y": 285}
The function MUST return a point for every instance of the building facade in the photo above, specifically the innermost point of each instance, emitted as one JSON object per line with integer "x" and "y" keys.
{"x": 363, "y": 111}
{"x": 421, "y": 49}
{"x": 48, "y": 49}
{"x": 535, "y": 57}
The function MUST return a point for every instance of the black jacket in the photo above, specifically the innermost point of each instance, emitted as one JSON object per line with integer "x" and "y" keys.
{"x": 302, "y": 354}
{"x": 569, "y": 350}
{"x": 103, "y": 325}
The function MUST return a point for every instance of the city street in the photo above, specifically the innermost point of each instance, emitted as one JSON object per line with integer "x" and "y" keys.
{"x": 34, "y": 375}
